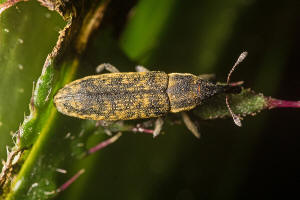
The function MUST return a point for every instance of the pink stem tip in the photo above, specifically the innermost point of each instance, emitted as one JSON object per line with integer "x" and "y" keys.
{"x": 277, "y": 103}
{"x": 70, "y": 181}
{"x": 142, "y": 130}
{"x": 105, "y": 143}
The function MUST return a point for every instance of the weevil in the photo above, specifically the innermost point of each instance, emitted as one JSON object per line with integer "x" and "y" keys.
{"x": 139, "y": 95}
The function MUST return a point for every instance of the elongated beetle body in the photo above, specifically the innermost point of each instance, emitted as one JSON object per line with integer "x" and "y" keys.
{"x": 139, "y": 95}
{"x": 134, "y": 95}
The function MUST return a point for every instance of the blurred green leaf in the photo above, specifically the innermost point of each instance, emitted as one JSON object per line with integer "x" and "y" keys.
{"x": 140, "y": 38}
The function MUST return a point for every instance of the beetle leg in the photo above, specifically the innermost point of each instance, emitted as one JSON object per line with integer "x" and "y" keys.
{"x": 190, "y": 124}
{"x": 105, "y": 125}
{"x": 141, "y": 68}
{"x": 107, "y": 67}
{"x": 158, "y": 126}
{"x": 207, "y": 76}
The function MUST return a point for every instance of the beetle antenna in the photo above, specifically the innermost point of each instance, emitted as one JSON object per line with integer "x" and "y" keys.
{"x": 238, "y": 61}
{"x": 235, "y": 117}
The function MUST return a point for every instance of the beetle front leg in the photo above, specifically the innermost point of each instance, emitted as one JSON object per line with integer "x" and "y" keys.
{"x": 190, "y": 124}
{"x": 207, "y": 77}
{"x": 107, "y": 67}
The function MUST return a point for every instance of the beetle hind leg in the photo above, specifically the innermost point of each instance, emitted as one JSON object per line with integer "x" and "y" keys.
{"x": 107, "y": 67}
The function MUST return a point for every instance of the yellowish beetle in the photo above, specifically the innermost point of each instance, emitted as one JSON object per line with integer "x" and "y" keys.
{"x": 137, "y": 95}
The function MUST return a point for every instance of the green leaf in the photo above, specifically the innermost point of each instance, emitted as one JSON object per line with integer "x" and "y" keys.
{"x": 21, "y": 60}
{"x": 243, "y": 104}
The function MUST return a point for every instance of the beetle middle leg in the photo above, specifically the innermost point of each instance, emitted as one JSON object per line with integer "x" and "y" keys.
{"x": 159, "y": 122}
{"x": 107, "y": 67}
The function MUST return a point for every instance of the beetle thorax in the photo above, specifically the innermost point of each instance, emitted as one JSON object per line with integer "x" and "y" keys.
{"x": 182, "y": 91}
{"x": 186, "y": 91}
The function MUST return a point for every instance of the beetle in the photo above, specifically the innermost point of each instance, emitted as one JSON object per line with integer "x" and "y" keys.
{"x": 139, "y": 95}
